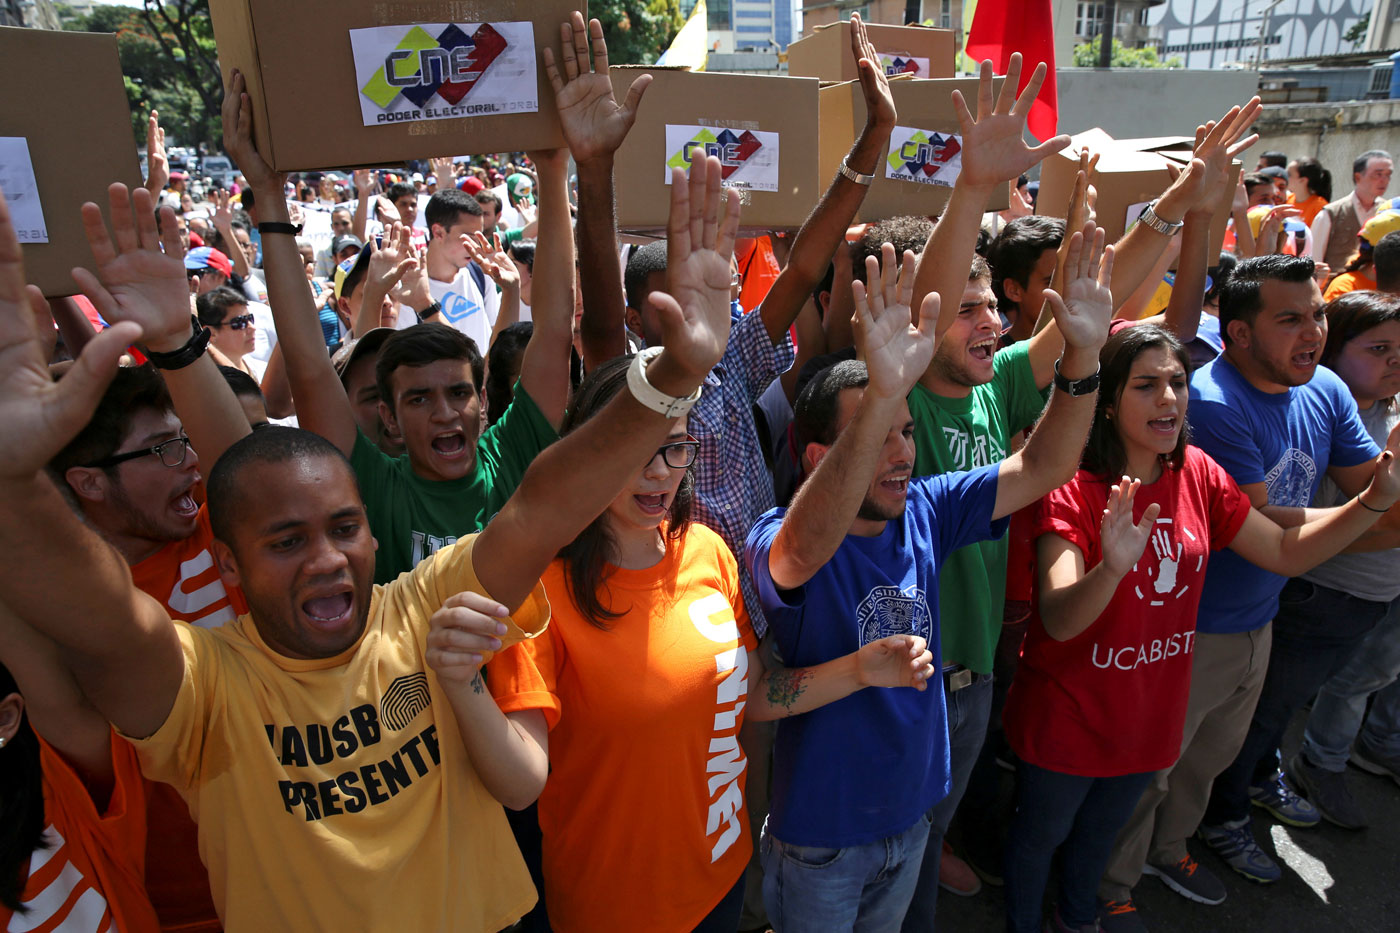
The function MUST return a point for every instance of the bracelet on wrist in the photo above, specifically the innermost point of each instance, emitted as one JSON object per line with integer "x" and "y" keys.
{"x": 1371, "y": 508}
{"x": 192, "y": 350}
{"x": 643, "y": 391}
{"x": 277, "y": 226}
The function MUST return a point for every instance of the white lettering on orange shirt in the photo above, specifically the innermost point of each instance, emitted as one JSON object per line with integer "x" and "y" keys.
{"x": 713, "y": 617}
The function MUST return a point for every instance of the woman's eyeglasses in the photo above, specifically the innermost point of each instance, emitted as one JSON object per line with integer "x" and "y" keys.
{"x": 236, "y": 323}
{"x": 679, "y": 455}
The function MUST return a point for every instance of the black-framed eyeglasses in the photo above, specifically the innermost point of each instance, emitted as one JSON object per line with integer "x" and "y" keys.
{"x": 679, "y": 455}
{"x": 171, "y": 453}
{"x": 236, "y": 323}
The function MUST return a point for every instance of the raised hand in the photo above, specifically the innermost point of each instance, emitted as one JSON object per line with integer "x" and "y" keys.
{"x": 694, "y": 310}
{"x": 593, "y": 122}
{"x": 1385, "y": 483}
{"x": 1082, "y": 200}
{"x": 1267, "y": 241}
{"x": 1217, "y": 143}
{"x": 1122, "y": 540}
{"x": 874, "y": 83}
{"x": 157, "y": 163}
{"x": 389, "y": 263}
{"x": 135, "y": 280}
{"x": 896, "y": 352}
{"x": 895, "y": 661}
{"x": 1085, "y": 311}
{"x": 223, "y": 212}
{"x": 493, "y": 259}
{"x": 238, "y": 138}
{"x": 445, "y": 172}
{"x": 994, "y": 150}
{"x": 365, "y": 182}
{"x": 463, "y": 635}
{"x": 38, "y": 414}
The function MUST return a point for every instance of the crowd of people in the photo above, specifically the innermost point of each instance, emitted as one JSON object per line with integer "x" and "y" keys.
{"x": 403, "y": 551}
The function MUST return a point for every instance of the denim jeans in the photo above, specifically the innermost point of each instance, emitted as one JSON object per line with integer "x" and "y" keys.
{"x": 1079, "y": 816}
{"x": 863, "y": 888}
{"x": 968, "y": 712}
{"x": 1315, "y": 632}
{"x": 1338, "y": 713}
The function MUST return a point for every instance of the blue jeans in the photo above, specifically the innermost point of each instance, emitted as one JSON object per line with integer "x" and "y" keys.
{"x": 866, "y": 888}
{"x": 1340, "y": 708}
{"x": 1079, "y": 816}
{"x": 968, "y": 712}
{"x": 1315, "y": 632}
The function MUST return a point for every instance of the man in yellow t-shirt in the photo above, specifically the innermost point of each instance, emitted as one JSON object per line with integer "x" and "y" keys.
{"x": 333, "y": 787}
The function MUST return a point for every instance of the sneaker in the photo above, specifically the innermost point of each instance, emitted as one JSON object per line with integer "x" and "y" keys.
{"x": 1285, "y": 805}
{"x": 955, "y": 876}
{"x": 1189, "y": 879}
{"x": 1328, "y": 792}
{"x": 1120, "y": 917}
{"x": 988, "y": 868}
{"x": 1234, "y": 842}
{"x": 1368, "y": 760}
{"x": 1057, "y": 925}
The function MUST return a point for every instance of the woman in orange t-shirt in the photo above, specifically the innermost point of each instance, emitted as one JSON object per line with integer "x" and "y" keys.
{"x": 644, "y": 676}
{"x": 73, "y": 849}
{"x": 1309, "y": 187}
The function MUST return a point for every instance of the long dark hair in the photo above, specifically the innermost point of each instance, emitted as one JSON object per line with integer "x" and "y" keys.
{"x": 21, "y": 804}
{"x": 1318, "y": 179}
{"x": 589, "y": 554}
{"x": 1104, "y": 455}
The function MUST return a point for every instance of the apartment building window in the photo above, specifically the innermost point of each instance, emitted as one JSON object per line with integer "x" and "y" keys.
{"x": 945, "y": 14}
{"x": 1088, "y": 19}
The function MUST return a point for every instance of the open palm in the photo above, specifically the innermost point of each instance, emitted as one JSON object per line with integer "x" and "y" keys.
{"x": 1085, "y": 311}
{"x": 594, "y": 123}
{"x": 896, "y": 353}
{"x": 1123, "y": 541}
{"x": 995, "y": 136}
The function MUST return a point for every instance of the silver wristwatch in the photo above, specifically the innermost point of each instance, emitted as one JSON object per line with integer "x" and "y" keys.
{"x": 1153, "y": 222}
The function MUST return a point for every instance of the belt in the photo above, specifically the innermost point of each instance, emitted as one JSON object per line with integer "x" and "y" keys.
{"x": 956, "y": 678}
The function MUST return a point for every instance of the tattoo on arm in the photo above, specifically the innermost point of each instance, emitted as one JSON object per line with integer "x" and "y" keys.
{"x": 477, "y": 684}
{"x": 786, "y": 686}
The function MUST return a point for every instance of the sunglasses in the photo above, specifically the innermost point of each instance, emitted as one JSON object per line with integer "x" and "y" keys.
{"x": 171, "y": 453}
{"x": 236, "y": 323}
{"x": 679, "y": 455}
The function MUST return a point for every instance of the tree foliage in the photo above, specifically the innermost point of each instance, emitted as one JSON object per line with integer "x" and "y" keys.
{"x": 1087, "y": 56}
{"x": 169, "y": 62}
{"x": 1358, "y": 30}
{"x": 637, "y": 31}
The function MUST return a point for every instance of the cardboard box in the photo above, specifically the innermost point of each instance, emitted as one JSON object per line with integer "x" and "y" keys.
{"x": 919, "y": 51}
{"x": 745, "y": 116}
{"x": 1130, "y": 173}
{"x": 316, "y": 74}
{"x": 68, "y": 104}
{"x": 926, "y": 132}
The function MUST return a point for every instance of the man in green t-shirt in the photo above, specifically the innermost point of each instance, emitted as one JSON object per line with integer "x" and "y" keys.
{"x": 453, "y": 477}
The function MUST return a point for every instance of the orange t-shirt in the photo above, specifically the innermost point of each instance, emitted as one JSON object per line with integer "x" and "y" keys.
{"x": 643, "y": 815}
{"x": 1310, "y": 208}
{"x": 1348, "y": 282}
{"x": 87, "y": 875}
{"x": 183, "y": 578}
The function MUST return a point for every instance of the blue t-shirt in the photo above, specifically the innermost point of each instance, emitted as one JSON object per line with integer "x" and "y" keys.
{"x": 867, "y": 766}
{"x": 1286, "y": 441}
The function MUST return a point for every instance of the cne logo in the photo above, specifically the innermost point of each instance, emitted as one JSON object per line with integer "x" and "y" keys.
{"x": 447, "y": 66}
{"x": 733, "y": 151}
{"x": 899, "y": 65}
{"x": 925, "y": 154}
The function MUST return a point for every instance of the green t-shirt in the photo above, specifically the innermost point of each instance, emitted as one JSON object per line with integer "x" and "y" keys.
{"x": 952, "y": 434}
{"x": 412, "y": 517}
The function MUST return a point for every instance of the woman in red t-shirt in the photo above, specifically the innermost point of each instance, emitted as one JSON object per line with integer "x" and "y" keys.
{"x": 643, "y": 678}
{"x": 1099, "y": 700}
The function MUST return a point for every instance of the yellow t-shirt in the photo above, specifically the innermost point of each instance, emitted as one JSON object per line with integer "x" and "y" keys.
{"x": 336, "y": 794}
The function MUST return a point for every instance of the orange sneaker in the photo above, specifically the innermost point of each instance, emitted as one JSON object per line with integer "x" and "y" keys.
{"x": 956, "y": 876}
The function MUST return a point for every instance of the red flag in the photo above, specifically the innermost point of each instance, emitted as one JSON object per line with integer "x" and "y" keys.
{"x": 1000, "y": 27}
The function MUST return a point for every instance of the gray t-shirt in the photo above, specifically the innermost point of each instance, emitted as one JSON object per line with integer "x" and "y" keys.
{"x": 1375, "y": 575}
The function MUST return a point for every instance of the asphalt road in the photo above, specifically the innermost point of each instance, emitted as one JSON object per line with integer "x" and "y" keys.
{"x": 1333, "y": 879}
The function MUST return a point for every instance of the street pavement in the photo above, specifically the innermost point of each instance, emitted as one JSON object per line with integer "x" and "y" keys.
{"x": 1333, "y": 879}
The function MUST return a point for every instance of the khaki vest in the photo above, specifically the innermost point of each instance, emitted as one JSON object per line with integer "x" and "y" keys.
{"x": 1341, "y": 243}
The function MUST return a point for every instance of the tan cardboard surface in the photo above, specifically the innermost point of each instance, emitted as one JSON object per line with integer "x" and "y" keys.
{"x": 1129, "y": 172}
{"x": 927, "y": 105}
{"x": 826, "y": 53}
{"x": 295, "y": 52}
{"x": 754, "y": 102}
{"x": 64, "y": 94}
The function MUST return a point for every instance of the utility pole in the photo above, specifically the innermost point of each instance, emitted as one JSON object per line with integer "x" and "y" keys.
{"x": 1110, "y": 18}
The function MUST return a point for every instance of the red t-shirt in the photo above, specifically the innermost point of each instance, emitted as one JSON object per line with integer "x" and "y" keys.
{"x": 183, "y": 578}
{"x": 1112, "y": 700}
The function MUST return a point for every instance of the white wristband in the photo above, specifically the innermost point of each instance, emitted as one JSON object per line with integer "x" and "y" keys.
{"x": 644, "y": 392}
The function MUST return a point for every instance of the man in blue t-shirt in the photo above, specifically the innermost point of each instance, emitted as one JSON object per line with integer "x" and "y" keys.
{"x": 1277, "y": 422}
{"x": 855, "y": 558}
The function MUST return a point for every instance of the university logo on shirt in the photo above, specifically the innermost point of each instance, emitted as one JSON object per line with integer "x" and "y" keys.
{"x": 888, "y": 610}
{"x": 1166, "y": 553}
{"x": 1292, "y": 479}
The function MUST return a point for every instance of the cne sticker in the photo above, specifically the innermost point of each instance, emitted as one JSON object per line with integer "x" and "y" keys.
{"x": 444, "y": 71}
{"x": 748, "y": 158}
{"x": 924, "y": 157}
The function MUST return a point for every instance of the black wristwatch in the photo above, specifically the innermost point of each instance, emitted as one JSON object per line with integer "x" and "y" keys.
{"x": 1086, "y": 386}
{"x": 277, "y": 226}
{"x": 192, "y": 350}
{"x": 430, "y": 312}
